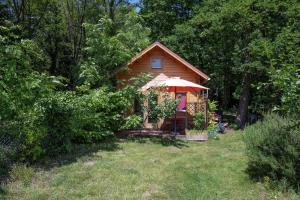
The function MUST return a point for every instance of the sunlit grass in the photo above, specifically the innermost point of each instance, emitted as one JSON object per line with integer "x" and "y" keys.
{"x": 148, "y": 169}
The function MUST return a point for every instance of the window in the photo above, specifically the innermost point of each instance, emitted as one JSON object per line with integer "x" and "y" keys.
{"x": 156, "y": 63}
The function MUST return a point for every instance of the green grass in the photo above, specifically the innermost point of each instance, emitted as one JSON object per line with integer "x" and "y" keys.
{"x": 147, "y": 169}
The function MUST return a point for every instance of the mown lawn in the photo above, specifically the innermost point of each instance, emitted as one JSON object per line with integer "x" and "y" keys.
{"x": 147, "y": 169}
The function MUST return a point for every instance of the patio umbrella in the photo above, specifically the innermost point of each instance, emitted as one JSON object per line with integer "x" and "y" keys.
{"x": 176, "y": 84}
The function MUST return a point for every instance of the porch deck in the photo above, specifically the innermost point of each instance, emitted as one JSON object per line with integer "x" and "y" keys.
{"x": 184, "y": 119}
{"x": 161, "y": 134}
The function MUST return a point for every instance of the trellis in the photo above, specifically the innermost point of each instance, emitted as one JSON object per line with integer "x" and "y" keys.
{"x": 195, "y": 107}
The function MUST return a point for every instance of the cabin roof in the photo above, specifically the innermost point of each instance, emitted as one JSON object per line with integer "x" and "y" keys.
{"x": 171, "y": 53}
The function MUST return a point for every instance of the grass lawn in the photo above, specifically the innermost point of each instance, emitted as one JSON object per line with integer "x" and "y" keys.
{"x": 146, "y": 169}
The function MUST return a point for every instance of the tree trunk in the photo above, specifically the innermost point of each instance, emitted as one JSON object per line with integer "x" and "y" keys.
{"x": 75, "y": 15}
{"x": 241, "y": 117}
{"x": 226, "y": 91}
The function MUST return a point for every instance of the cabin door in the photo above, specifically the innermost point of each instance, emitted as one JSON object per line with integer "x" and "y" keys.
{"x": 181, "y": 111}
{"x": 182, "y": 101}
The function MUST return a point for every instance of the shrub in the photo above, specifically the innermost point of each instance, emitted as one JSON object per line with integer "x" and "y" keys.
{"x": 199, "y": 121}
{"x": 156, "y": 111}
{"x": 72, "y": 118}
{"x": 58, "y": 111}
{"x": 273, "y": 148}
{"x": 212, "y": 106}
{"x": 132, "y": 121}
{"x": 24, "y": 131}
{"x": 99, "y": 115}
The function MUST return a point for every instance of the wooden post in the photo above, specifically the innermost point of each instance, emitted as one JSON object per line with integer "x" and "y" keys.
{"x": 175, "y": 115}
{"x": 206, "y": 112}
{"x": 186, "y": 120}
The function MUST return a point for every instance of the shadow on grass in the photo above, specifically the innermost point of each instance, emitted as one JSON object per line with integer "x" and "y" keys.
{"x": 3, "y": 191}
{"x": 79, "y": 151}
{"x": 164, "y": 141}
{"x": 3, "y": 181}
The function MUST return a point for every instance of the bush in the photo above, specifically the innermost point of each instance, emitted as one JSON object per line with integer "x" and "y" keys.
{"x": 58, "y": 112}
{"x": 212, "y": 106}
{"x": 99, "y": 115}
{"x": 273, "y": 148}
{"x": 199, "y": 121}
{"x": 71, "y": 118}
{"x": 133, "y": 121}
{"x": 54, "y": 122}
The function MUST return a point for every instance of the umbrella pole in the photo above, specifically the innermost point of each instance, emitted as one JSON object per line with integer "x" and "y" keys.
{"x": 175, "y": 114}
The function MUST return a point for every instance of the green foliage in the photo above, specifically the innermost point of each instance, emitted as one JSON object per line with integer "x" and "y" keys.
{"x": 164, "y": 109}
{"x": 132, "y": 121}
{"x": 212, "y": 127}
{"x": 233, "y": 40}
{"x": 21, "y": 85}
{"x": 287, "y": 80}
{"x": 100, "y": 114}
{"x": 155, "y": 13}
{"x": 58, "y": 110}
{"x": 212, "y": 106}
{"x": 199, "y": 121}
{"x": 273, "y": 148}
{"x": 87, "y": 118}
{"x": 152, "y": 101}
{"x": 233, "y": 126}
{"x": 45, "y": 122}
{"x": 108, "y": 52}
{"x": 285, "y": 72}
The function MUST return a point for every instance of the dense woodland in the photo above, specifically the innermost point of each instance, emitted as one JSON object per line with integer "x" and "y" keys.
{"x": 58, "y": 57}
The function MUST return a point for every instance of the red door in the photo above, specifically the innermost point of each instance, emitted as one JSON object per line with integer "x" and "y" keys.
{"x": 182, "y": 101}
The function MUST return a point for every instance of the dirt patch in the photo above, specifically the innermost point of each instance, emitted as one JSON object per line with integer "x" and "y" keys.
{"x": 89, "y": 163}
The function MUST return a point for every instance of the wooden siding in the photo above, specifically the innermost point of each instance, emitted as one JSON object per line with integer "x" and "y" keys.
{"x": 170, "y": 67}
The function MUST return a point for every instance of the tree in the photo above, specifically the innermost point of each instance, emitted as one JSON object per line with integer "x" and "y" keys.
{"x": 162, "y": 16}
{"x": 285, "y": 69}
{"x": 233, "y": 41}
{"x": 106, "y": 53}
{"x": 22, "y": 83}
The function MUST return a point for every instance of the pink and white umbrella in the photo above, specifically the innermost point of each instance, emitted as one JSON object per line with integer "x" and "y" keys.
{"x": 180, "y": 85}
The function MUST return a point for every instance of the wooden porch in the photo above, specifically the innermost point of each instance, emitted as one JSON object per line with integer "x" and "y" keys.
{"x": 184, "y": 119}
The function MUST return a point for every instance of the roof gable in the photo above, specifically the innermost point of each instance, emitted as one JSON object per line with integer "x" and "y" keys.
{"x": 172, "y": 54}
